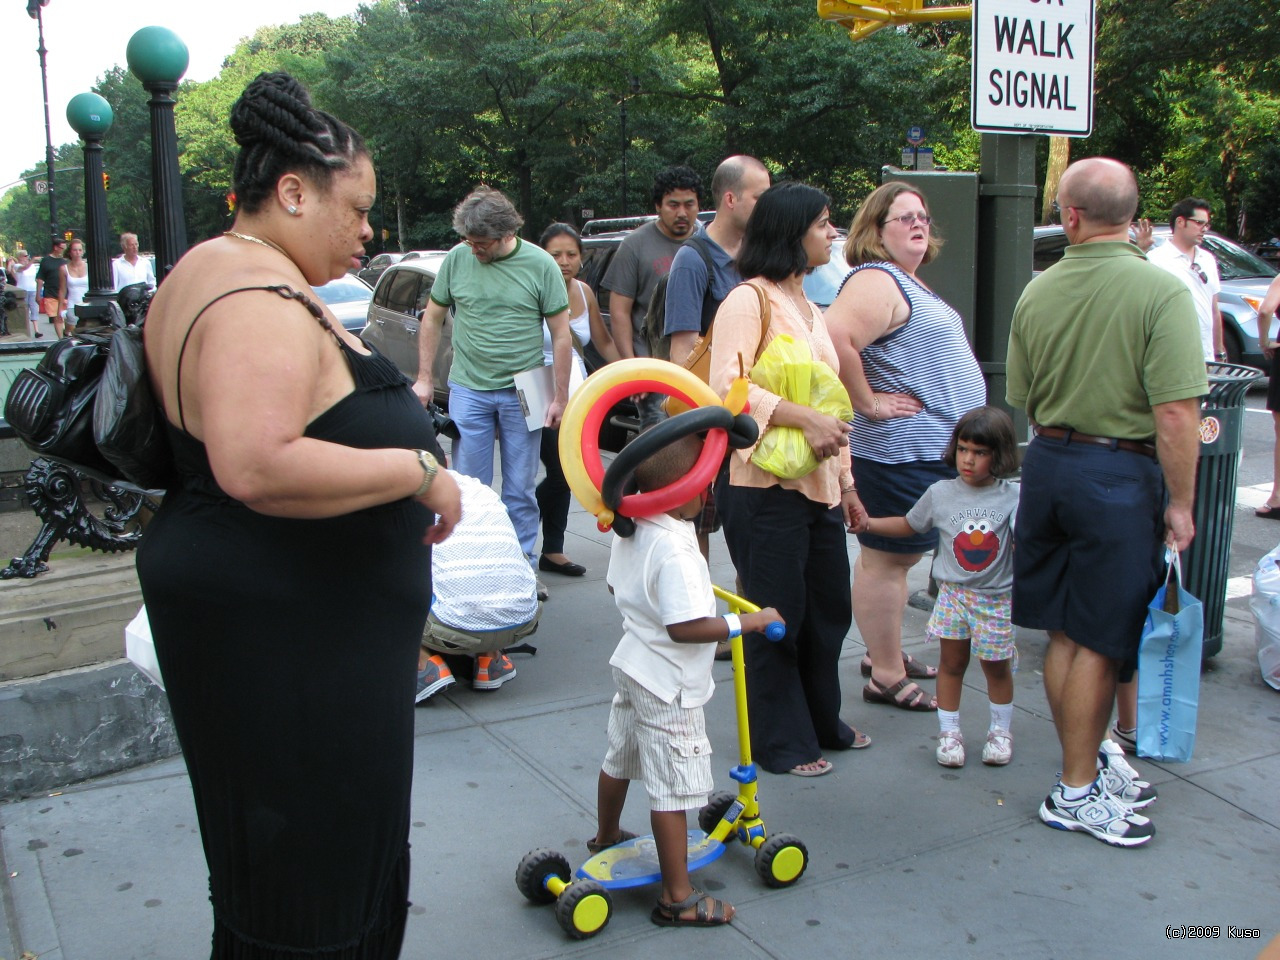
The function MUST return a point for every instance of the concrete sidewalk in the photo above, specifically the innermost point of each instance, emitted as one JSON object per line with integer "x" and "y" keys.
{"x": 906, "y": 858}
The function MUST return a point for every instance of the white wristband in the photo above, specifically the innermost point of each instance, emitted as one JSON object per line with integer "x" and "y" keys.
{"x": 735, "y": 624}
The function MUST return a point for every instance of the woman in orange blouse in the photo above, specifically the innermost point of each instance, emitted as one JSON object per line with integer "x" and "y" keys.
{"x": 787, "y": 537}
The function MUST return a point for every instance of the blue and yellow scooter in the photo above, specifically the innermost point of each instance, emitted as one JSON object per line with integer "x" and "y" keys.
{"x": 583, "y": 904}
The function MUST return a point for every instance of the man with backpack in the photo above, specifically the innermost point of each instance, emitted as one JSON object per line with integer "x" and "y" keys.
{"x": 703, "y": 271}
{"x": 702, "y": 274}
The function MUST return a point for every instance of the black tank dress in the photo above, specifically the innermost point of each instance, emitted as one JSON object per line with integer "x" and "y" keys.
{"x": 289, "y": 650}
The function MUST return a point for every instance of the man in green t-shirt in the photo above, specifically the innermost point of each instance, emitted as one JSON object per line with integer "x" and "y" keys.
{"x": 1104, "y": 355}
{"x": 500, "y": 289}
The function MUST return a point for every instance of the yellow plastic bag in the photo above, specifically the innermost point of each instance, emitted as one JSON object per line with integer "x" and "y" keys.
{"x": 787, "y": 368}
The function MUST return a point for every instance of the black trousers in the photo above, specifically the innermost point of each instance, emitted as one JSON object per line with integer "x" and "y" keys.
{"x": 791, "y": 553}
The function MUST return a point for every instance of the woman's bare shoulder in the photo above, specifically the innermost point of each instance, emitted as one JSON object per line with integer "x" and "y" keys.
{"x": 207, "y": 274}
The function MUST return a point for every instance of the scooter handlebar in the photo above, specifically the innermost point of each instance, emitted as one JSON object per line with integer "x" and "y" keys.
{"x": 776, "y": 631}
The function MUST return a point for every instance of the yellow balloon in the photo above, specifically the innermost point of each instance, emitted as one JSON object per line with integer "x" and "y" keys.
{"x": 636, "y": 371}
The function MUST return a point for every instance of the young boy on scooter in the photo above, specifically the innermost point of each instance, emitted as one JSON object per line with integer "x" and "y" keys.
{"x": 662, "y": 669}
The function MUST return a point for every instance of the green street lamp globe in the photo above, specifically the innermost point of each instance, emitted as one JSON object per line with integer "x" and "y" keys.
{"x": 89, "y": 115}
{"x": 156, "y": 55}
{"x": 159, "y": 58}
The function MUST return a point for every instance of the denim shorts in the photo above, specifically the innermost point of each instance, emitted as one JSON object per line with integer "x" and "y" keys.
{"x": 890, "y": 490}
{"x": 1088, "y": 544}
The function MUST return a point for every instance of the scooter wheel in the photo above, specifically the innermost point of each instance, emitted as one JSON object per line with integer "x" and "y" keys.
{"x": 714, "y": 810}
{"x": 536, "y": 866}
{"x": 584, "y": 909}
{"x": 780, "y": 860}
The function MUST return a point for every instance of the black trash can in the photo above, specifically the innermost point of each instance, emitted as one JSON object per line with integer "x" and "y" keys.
{"x": 1205, "y": 564}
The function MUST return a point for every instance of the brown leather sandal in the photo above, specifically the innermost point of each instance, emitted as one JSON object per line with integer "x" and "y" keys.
{"x": 709, "y": 912}
{"x": 905, "y": 695}
{"x": 916, "y": 669}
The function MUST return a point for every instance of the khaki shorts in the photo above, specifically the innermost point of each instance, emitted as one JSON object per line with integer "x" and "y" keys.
{"x": 662, "y": 744}
{"x": 442, "y": 638}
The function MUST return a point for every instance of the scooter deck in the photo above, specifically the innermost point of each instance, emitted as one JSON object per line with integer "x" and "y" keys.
{"x": 635, "y": 863}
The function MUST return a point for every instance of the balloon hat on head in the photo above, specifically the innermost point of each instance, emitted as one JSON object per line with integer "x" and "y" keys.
{"x": 603, "y": 492}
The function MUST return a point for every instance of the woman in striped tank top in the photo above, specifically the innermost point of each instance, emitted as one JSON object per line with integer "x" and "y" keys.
{"x": 911, "y": 374}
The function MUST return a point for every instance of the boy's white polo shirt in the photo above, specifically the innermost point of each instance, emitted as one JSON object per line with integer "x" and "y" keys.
{"x": 658, "y": 578}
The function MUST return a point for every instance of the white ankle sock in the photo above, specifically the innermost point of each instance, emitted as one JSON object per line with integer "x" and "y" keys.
{"x": 1075, "y": 793}
{"x": 948, "y": 720}
{"x": 1001, "y": 715}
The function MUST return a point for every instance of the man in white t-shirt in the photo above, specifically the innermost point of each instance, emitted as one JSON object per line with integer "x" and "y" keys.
{"x": 129, "y": 267}
{"x": 1185, "y": 257}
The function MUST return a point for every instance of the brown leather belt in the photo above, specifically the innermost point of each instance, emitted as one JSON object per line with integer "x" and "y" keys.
{"x": 1074, "y": 436}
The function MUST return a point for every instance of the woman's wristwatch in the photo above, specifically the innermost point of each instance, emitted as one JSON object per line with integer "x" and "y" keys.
{"x": 429, "y": 470}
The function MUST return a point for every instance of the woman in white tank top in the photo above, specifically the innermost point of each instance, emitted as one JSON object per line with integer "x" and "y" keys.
{"x": 565, "y": 246}
{"x": 76, "y": 274}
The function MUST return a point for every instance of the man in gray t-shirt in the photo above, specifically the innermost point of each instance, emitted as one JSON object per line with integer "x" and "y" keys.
{"x": 646, "y": 255}
{"x": 642, "y": 259}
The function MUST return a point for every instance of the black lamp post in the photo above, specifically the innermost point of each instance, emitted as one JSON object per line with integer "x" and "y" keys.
{"x": 159, "y": 58}
{"x": 91, "y": 117}
{"x": 33, "y": 11}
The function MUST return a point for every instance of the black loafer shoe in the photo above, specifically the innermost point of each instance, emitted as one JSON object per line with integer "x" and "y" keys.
{"x": 568, "y": 568}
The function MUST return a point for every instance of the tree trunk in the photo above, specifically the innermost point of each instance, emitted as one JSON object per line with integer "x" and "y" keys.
{"x": 1059, "y": 157}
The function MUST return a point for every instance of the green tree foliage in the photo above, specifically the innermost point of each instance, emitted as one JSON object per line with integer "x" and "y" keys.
{"x": 551, "y": 100}
{"x": 1187, "y": 91}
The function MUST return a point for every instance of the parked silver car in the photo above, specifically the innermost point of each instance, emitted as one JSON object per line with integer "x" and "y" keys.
{"x": 348, "y": 300}
{"x": 1245, "y": 278}
{"x": 395, "y": 318}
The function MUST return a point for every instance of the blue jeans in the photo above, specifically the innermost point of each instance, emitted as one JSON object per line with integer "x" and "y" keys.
{"x": 481, "y": 417}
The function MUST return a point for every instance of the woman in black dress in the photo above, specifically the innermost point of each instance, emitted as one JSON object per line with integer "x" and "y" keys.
{"x": 287, "y": 574}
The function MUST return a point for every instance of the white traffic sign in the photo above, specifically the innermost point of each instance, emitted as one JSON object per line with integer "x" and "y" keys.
{"x": 1033, "y": 66}
{"x": 42, "y": 187}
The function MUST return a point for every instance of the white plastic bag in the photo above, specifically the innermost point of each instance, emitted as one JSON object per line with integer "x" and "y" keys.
{"x": 1265, "y": 604}
{"x": 141, "y": 649}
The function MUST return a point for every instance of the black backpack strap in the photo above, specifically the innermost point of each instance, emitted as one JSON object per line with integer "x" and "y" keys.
{"x": 283, "y": 290}
{"x": 708, "y": 311}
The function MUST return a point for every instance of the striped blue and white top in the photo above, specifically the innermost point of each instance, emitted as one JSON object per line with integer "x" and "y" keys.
{"x": 928, "y": 357}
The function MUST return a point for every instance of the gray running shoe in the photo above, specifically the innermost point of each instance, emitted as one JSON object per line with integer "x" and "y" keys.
{"x": 433, "y": 678}
{"x": 1121, "y": 779}
{"x": 1098, "y": 814}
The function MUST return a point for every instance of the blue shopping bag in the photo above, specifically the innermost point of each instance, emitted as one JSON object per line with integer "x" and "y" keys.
{"x": 1169, "y": 669}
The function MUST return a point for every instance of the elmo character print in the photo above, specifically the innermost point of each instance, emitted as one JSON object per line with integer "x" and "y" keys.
{"x": 976, "y": 545}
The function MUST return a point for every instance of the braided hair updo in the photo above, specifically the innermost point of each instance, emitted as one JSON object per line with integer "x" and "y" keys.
{"x": 278, "y": 130}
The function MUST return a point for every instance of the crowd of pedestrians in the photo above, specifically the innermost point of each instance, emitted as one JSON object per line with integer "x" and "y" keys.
{"x": 928, "y": 465}
{"x": 52, "y": 286}
{"x": 288, "y": 574}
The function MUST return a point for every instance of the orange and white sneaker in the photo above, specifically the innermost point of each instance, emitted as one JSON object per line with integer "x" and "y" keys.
{"x": 493, "y": 672}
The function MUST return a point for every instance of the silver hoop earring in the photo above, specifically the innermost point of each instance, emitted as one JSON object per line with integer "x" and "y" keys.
{"x": 293, "y": 211}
